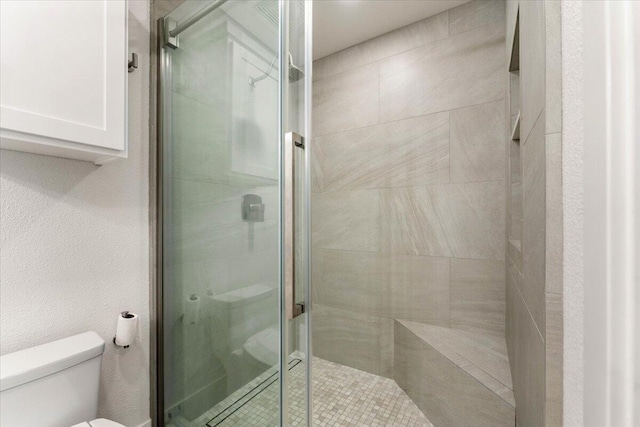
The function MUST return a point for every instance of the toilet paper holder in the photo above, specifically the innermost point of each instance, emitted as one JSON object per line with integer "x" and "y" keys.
{"x": 123, "y": 346}
{"x": 125, "y": 315}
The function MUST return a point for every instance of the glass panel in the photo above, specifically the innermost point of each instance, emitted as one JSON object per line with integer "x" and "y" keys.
{"x": 221, "y": 217}
{"x": 296, "y": 93}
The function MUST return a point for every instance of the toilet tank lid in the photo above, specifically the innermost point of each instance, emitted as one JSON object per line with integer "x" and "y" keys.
{"x": 36, "y": 362}
{"x": 247, "y": 294}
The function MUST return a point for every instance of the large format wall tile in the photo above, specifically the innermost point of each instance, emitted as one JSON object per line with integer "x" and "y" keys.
{"x": 207, "y": 221}
{"x": 346, "y": 220}
{"x": 408, "y": 359}
{"x": 514, "y": 99}
{"x": 386, "y": 347}
{"x": 346, "y": 101}
{"x": 515, "y": 194}
{"x": 477, "y": 143}
{"x": 554, "y": 346}
{"x": 200, "y": 152}
{"x": 449, "y": 396}
{"x": 418, "y": 288}
{"x": 526, "y": 355}
{"x": 204, "y": 209}
{"x": 476, "y": 14}
{"x": 534, "y": 229}
{"x": 532, "y": 64}
{"x": 534, "y": 297}
{"x": 397, "y": 41}
{"x": 511, "y": 14}
{"x": 553, "y": 71}
{"x": 529, "y": 389}
{"x": 478, "y": 295}
{"x": 457, "y": 220}
{"x": 349, "y": 280}
{"x": 403, "y": 153}
{"x": 458, "y": 71}
{"x": 348, "y": 338}
{"x": 482, "y": 356}
{"x": 513, "y": 280}
{"x": 415, "y": 118}
{"x": 199, "y": 67}
{"x": 386, "y": 285}
{"x": 554, "y": 244}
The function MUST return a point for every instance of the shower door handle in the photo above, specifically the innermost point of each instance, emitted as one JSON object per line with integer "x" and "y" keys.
{"x": 292, "y": 142}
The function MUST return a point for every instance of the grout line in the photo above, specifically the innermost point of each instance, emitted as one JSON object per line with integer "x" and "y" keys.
{"x": 379, "y": 94}
{"x": 449, "y": 145}
{"x": 450, "y": 275}
{"x": 387, "y": 34}
{"x": 526, "y": 306}
{"x": 404, "y": 254}
{"x": 499, "y": 99}
{"x": 385, "y": 58}
{"x": 524, "y": 140}
{"x": 408, "y": 186}
{"x": 380, "y": 230}
{"x": 238, "y": 185}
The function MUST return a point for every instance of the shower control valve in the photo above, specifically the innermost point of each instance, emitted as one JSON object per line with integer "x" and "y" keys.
{"x": 252, "y": 208}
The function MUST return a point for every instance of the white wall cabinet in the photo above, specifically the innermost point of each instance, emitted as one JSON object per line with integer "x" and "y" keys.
{"x": 63, "y": 78}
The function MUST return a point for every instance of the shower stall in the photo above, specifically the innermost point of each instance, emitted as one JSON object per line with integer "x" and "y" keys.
{"x": 234, "y": 118}
{"x": 430, "y": 181}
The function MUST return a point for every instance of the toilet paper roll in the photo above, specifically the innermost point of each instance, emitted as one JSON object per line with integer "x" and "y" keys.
{"x": 126, "y": 329}
{"x": 192, "y": 310}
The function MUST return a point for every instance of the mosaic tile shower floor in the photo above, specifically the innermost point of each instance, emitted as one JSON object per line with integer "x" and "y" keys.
{"x": 343, "y": 397}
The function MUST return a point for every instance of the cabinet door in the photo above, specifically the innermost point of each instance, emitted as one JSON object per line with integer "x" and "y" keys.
{"x": 63, "y": 77}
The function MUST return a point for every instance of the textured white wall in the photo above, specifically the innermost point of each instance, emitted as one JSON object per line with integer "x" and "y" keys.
{"x": 75, "y": 248}
{"x": 573, "y": 190}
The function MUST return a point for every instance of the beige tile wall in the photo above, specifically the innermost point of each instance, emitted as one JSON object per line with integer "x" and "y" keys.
{"x": 534, "y": 271}
{"x": 408, "y": 181}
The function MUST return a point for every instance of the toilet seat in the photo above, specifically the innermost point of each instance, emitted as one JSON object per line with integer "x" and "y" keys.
{"x": 99, "y": 422}
{"x": 264, "y": 346}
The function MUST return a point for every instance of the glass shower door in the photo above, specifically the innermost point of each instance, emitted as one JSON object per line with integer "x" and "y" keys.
{"x": 234, "y": 259}
{"x": 295, "y": 39}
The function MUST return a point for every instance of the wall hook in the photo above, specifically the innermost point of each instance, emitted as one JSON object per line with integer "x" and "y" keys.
{"x": 133, "y": 63}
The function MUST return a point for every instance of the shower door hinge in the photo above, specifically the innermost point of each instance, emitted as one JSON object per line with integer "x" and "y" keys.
{"x": 169, "y": 40}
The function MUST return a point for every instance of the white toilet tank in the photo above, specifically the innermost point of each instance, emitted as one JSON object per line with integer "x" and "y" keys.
{"x": 244, "y": 312}
{"x": 51, "y": 385}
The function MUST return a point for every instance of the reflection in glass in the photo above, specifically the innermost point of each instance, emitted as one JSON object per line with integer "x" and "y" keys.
{"x": 221, "y": 274}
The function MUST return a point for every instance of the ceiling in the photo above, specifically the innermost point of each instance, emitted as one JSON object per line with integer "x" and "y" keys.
{"x": 338, "y": 24}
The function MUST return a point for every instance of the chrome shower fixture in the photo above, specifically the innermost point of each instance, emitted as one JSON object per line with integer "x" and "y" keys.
{"x": 254, "y": 80}
{"x": 295, "y": 73}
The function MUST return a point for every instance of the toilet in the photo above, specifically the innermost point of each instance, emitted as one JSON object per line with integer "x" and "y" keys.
{"x": 263, "y": 346}
{"x": 54, "y": 384}
{"x": 249, "y": 315}
{"x": 99, "y": 422}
